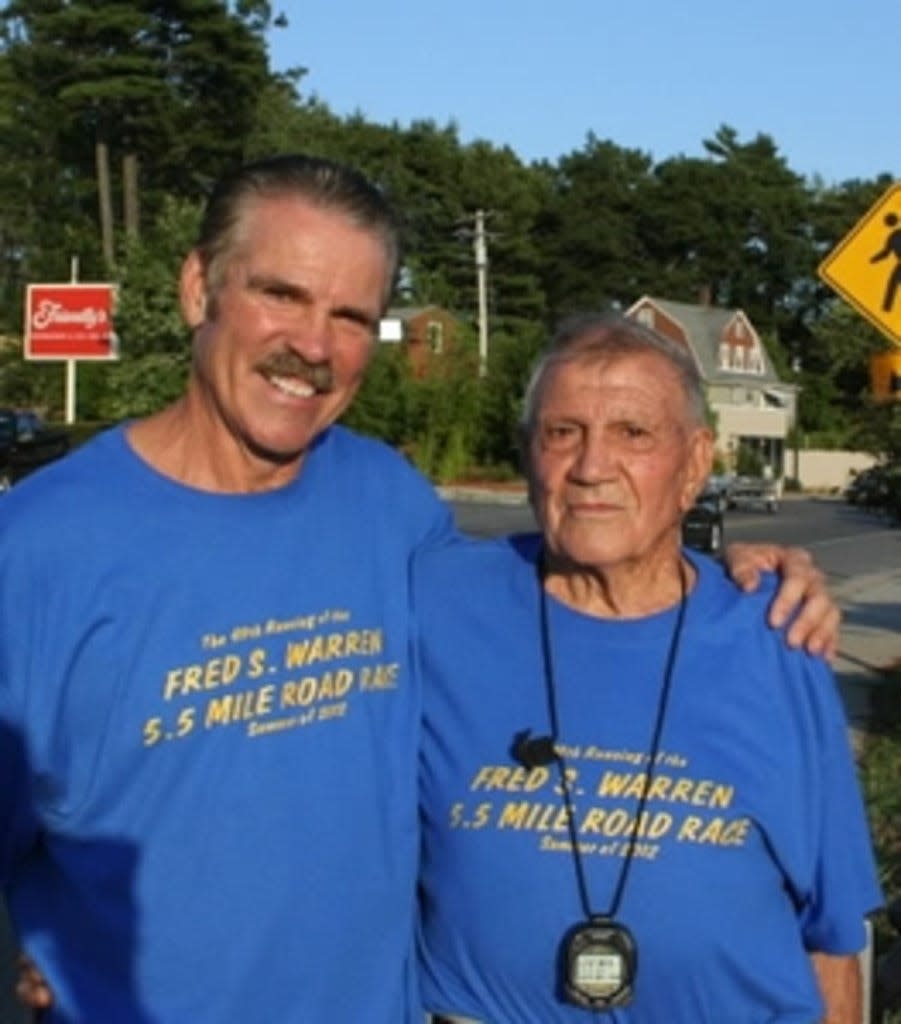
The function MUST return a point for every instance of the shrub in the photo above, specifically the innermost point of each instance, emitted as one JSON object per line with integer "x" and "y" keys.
{"x": 880, "y": 769}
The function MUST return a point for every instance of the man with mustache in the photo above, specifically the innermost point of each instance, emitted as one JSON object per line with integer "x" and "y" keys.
{"x": 208, "y": 733}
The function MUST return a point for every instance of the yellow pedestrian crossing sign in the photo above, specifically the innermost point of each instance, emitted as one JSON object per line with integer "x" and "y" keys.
{"x": 865, "y": 267}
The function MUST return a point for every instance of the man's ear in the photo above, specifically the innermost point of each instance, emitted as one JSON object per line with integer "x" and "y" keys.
{"x": 192, "y": 291}
{"x": 700, "y": 463}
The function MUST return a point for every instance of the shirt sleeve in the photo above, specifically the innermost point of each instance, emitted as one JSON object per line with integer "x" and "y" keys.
{"x": 845, "y": 886}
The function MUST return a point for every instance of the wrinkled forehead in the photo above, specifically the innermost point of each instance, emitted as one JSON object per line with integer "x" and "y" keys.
{"x": 644, "y": 379}
{"x": 269, "y": 231}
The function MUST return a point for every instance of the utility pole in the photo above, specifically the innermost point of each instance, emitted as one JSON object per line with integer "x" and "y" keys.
{"x": 481, "y": 254}
{"x": 480, "y": 248}
{"x": 796, "y": 369}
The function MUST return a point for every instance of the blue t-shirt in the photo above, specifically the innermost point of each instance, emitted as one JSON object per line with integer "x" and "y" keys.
{"x": 752, "y": 848}
{"x": 208, "y": 737}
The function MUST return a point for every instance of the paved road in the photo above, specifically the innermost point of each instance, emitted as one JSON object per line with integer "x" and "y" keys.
{"x": 845, "y": 541}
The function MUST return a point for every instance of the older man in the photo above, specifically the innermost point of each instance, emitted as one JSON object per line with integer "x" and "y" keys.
{"x": 209, "y": 730}
{"x": 636, "y": 799}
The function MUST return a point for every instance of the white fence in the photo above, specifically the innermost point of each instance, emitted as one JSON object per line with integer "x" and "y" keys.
{"x": 826, "y": 470}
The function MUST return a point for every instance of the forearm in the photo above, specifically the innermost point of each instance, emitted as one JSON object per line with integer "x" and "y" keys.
{"x": 840, "y": 987}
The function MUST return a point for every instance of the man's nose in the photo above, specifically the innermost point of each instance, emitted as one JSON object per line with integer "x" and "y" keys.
{"x": 312, "y": 335}
{"x": 595, "y": 460}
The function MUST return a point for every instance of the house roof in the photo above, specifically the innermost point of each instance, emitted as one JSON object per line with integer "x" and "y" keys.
{"x": 704, "y": 326}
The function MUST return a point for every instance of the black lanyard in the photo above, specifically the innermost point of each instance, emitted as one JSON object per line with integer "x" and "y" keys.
{"x": 550, "y": 742}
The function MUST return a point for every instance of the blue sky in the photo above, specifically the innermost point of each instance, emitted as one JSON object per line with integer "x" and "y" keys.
{"x": 822, "y": 79}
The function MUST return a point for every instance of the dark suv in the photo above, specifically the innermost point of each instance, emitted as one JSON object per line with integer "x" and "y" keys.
{"x": 26, "y": 443}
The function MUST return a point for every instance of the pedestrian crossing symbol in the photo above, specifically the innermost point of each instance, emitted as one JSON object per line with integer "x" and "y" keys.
{"x": 865, "y": 267}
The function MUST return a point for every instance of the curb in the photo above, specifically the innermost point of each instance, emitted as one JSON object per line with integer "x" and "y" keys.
{"x": 496, "y": 496}
{"x": 854, "y": 585}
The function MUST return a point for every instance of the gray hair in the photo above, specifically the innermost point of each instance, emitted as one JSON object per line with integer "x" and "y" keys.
{"x": 320, "y": 182}
{"x": 598, "y": 335}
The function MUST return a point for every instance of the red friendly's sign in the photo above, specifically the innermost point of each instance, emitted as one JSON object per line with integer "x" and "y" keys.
{"x": 70, "y": 321}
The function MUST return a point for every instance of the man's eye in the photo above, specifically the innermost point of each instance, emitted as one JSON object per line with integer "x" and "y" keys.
{"x": 355, "y": 319}
{"x": 636, "y": 436}
{"x": 559, "y": 435}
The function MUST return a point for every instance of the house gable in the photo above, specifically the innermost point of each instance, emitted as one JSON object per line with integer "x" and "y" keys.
{"x": 740, "y": 349}
{"x": 726, "y": 347}
{"x": 646, "y": 312}
{"x": 651, "y": 314}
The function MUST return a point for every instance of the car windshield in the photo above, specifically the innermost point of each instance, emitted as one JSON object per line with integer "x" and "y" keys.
{"x": 27, "y": 423}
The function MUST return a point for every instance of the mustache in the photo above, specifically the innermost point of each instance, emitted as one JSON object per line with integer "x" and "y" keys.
{"x": 293, "y": 364}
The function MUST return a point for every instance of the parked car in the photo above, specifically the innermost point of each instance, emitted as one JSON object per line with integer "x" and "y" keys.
{"x": 754, "y": 492}
{"x": 27, "y": 443}
{"x": 702, "y": 526}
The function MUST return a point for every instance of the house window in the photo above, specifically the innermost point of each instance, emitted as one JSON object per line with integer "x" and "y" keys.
{"x": 724, "y": 355}
{"x": 738, "y": 358}
{"x": 435, "y": 336}
{"x": 646, "y": 316}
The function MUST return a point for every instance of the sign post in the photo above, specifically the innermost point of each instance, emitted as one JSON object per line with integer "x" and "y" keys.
{"x": 71, "y": 365}
{"x": 70, "y": 322}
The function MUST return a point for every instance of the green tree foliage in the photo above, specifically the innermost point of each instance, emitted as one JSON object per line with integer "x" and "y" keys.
{"x": 588, "y": 233}
{"x": 136, "y": 386}
{"x": 173, "y": 85}
{"x": 183, "y": 89}
{"x": 839, "y": 347}
{"x": 285, "y": 123}
{"x": 38, "y": 385}
{"x": 878, "y": 430}
{"x": 154, "y": 344}
{"x": 680, "y": 231}
{"x": 431, "y": 415}
{"x": 421, "y": 172}
{"x": 510, "y": 361}
{"x": 512, "y": 199}
{"x": 148, "y": 317}
{"x": 880, "y": 771}
{"x": 764, "y": 205}
{"x": 444, "y": 410}
{"x": 381, "y": 407}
